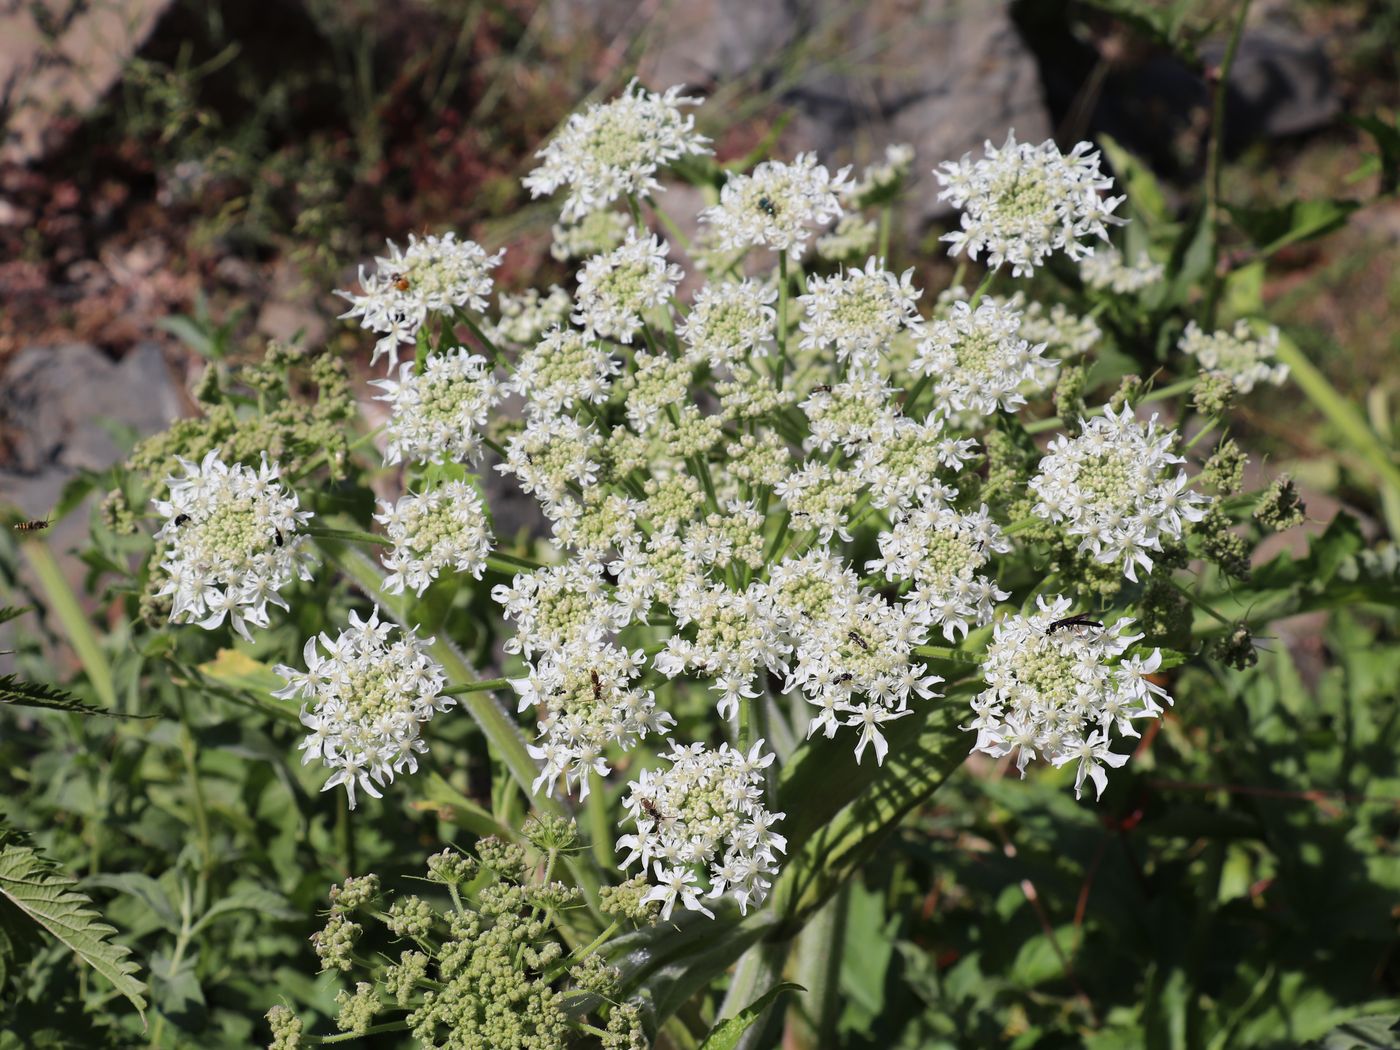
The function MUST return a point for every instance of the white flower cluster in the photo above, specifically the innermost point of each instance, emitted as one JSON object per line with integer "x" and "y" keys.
{"x": 1060, "y": 692}
{"x": 1106, "y": 268}
{"x": 566, "y": 366}
{"x": 437, "y": 415}
{"x": 1116, "y": 487}
{"x": 777, "y": 204}
{"x": 978, "y": 360}
{"x": 1241, "y": 356}
{"x": 443, "y": 528}
{"x": 615, "y": 290}
{"x": 586, "y": 701}
{"x": 615, "y": 149}
{"x": 729, "y": 323}
{"x": 436, "y": 275}
{"x": 232, "y": 543}
{"x": 524, "y": 317}
{"x": 704, "y": 813}
{"x": 1021, "y": 203}
{"x": 365, "y": 701}
{"x": 859, "y": 312}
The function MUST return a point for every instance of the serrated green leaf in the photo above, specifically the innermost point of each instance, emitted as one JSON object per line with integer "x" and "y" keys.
{"x": 145, "y": 889}
{"x": 32, "y": 887}
{"x": 36, "y": 694}
{"x": 1273, "y": 228}
{"x": 725, "y": 1035}
{"x": 12, "y": 612}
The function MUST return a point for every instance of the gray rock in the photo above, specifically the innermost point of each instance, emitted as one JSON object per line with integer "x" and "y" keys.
{"x": 942, "y": 75}
{"x": 58, "y": 58}
{"x": 69, "y": 405}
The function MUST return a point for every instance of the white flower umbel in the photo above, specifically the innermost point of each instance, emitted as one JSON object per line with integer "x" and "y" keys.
{"x": 595, "y": 233}
{"x": 735, "y": 640}
{"x": 941, "y": 552}
{"x": 1106, "y": 268}
{"x": 901, "y": 465}
{"x": 851, "y": 414}
{"x": 1020, "y": 203}
{"x": 365, "y": 701}
{"x": 565, "y": 367}
{"x": 616, "y": 290}
{"x": 1061, "y": 694}
{"x": 435, "y": 275}
{"x": 978, "y": 360}
{"x": 437, "y": 415}
{"x": 614, "y": 149}
{"x": 586, "y": 703}
{"x": 856, "y": 665}
{"x": 549, "y": 455}
{"x": 821, "y": 497}
{"x": 556, "y": 606}
{"x": 657, "y": 383}
{"x": 1241, "y": 356}
{"x": 729, "y": 323}
{"x": 232, "y": 543}
{"x": 704, "y": 817}
{"x": 527, "y": 316}
{"x": 777, "y": 205}
{"x": 859, "y": 312}
{"x": 881, "y": 180}
{"x": 1117, "y": 487}
{"x": 443, "y": 528}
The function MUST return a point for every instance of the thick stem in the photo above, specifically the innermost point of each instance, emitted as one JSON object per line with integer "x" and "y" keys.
{"x": 1213, "y": 162}
{"x": 811, "y": 1022}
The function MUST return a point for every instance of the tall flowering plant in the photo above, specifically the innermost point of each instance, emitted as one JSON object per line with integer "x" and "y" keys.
{"x": 808, "y": 535}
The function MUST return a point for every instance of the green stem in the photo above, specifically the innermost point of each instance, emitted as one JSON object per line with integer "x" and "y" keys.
{"x": 883, "y": 248}
{"x": 486, "y": 685}
{"x": 201, "y": 809}
{"x": 349, "y": 536}
{"x": 1213, "y": 165}
{"x": 982, "y": 288}
{"x": 345, "y": 1037}
{"x": 345, "y": 832}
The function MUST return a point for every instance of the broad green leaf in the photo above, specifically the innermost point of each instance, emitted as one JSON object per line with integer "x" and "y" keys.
{"x": 725, "y": 1035}
{"x": 1273, "y": 228}
{"x": 1144, "y": 191}
{"x": 253, "y": 898}
{"x": 1364, "y": 1033}
{"x": 1387, "y": 138}
{"x": 145, "y": 889}
{"x": 34, "y": 888}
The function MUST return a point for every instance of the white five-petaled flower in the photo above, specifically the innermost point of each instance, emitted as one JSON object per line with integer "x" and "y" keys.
{"x": 777, "y": 205}
{"x": 1060, "y": 693}
{"x": 1020, "y": 203}
{"x": 365, "y": 700}
{"x": 443, "y": 528}
{"x": 614, "y": 149}
{"x": 1117, "y": 487}
{"x": 232, "y": 543}
{"x": 704, "y": 817}
{"x": 436, "y": 275}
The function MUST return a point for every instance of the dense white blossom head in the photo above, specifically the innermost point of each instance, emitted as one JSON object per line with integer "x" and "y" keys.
{"x": 1117, "y": 487}
{"x": 1063, "y": 693}
{"x": 437, "y": 415}
{"x": 442, "y": 529}
{"x": 565, "y": 367}
{"x": 1106, "y": 268}
{"x": 365, "y": 698}
{"x": 729, "y": 323}
{"x": 851, "y": 414}
{"x": 436, "y": 275}
{"x": 551, "y": 454}
{"x": 859, "y": 312}
{"x": 586, "y": 702}
{"x": 703, "y": 828}
{"x": 233, "y": 541}
{"x": 978, "y": 360}
{"x": 526, "y": 316}
{"x": 901, "y": 464}
{"x": 616, "y": 289}
{"x": 1241, "y": 356}
{"x": 1020, "y": 203}
{"x": 614, "y": 149}
{"x": 777, "y": 205}
{"x": 557, "y": 606}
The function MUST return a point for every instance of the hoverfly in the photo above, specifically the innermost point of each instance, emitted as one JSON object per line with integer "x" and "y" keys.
{"x": 822, "y": 389}
{"x": 1077, "y": 620}
{"x": 31, "y": 526}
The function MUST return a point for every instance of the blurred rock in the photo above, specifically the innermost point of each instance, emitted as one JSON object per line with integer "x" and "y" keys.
{"x": 63, "y": 407}
{"x": 942, "y": 75}
{"x": 1280, "y": 84}
{"x": 57, "y": 60}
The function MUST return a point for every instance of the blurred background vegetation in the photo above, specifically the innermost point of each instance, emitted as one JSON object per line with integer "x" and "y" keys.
{"x": 1238, "y": 887}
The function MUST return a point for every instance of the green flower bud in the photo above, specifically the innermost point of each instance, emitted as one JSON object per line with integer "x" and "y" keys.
{"x": 1280, "y": 507}
{"x": 336, "y": 943}
{"x": 355, "y": 892}
{"x": 1214, "y": 394}
{"x": 357, "y": 1011}
{"x": 286, "y": 1029}
{"x": 410, "y": 916}
{"x": 1224, "y": 471}
{"x": 450, "y": 867}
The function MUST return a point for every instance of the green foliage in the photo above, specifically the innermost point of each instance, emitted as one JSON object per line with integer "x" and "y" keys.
{"x": 36, "y": 900}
